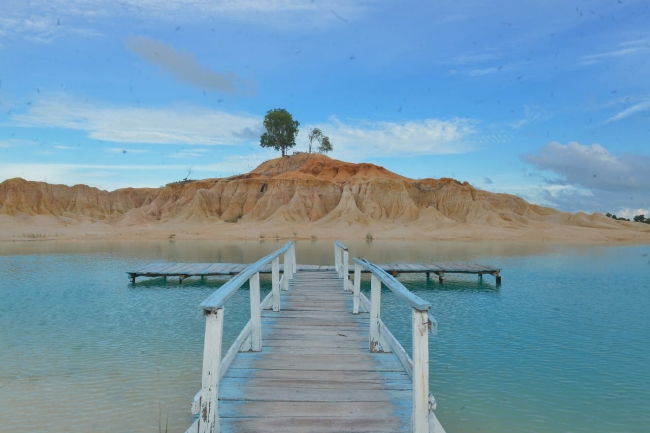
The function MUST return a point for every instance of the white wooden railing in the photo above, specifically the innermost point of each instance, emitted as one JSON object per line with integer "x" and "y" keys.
{"x": 341, "y": 263}
{"x": 423, "y": 420}
{"x": 205, "y": 403}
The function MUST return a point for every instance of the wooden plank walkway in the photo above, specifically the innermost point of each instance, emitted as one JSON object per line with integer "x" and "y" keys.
{"x": 186, "y": 270}
{"x": 315, "y": 372}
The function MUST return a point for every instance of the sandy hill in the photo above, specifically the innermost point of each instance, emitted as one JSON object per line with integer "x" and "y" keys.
{"x": 305, "y": 195}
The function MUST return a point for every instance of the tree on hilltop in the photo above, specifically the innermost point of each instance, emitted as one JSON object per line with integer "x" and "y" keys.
{"x": 325, "y": 145}
{"x": 323, "y": 141}
{"x": 281, "y": 130}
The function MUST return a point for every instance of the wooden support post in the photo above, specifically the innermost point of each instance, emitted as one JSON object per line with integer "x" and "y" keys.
{"x": 256, "y": 313}
{"x": 346, "y": 271}
{"x": 290, "y": 263}
{"x": 275, "y": 283}
{"x": 294, "y": 265}
{"x": 498, "y": 277}
{"x": 209, "y": 413}
{"x": 337, "y": 258}
{"x": 440, "y": 276}
{"x": 375, "y": 313}
{"x": 428, "y": 276}
{"x": 285, "y": 272}
{"x": 132, "y": 278}
{"x": 420, "y": 331}
{"x": 480, "y": 276}
{"x": 356, "y": 289}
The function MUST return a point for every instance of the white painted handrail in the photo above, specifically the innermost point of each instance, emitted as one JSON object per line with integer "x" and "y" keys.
{"x": 423, "y": 420}
{"x": 205, "y": 403}
{"x": 341, "y": 263}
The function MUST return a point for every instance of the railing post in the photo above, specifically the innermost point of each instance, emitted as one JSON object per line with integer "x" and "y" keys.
{"x": 289, "y": 264}
{"x": 256, "y": 313}
{"x": 356, "y": 289}
{"x": 275, "y": 281}
{"x": 286, "y": 271}
{"x": 346, "y": 271}
{"x": 420, "y": 330}
{"x": 209, "y": 413}
{"x": 375, "y": 307}
{"x": 337, "y": 258}
{"x": 294, "y": 265}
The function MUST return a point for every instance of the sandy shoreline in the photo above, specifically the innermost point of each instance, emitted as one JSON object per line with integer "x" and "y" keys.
{"x": 46, "y": 229}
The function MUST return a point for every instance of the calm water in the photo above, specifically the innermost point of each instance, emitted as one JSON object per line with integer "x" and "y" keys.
{"x": 563, "y": 345}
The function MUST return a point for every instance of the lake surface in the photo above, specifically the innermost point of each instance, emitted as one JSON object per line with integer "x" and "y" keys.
{"x": 563, "y": 345}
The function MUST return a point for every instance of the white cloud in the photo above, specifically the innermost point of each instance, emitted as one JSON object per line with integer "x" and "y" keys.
{"x": 472, "y": 58}
{"x": 371, "y": 139}
{"x": 636, "y": 108}
{"x": 486, "y": 70}
{"x": 631, "y": 213}
{"x": 624, "y": 49}
{"x": 43, "y": 29}
{"x": 169, "y": 125}
{"x": 531, "y": 113}
{"x": 184, "y": 66}
{"x": 45, "y": 20}
{"x": 16, "y": 143}
{"x": 189, "y": 153}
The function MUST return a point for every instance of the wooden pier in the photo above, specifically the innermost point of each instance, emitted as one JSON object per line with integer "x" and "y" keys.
{"x": 187, "y": 270}
{"x": 315, "y": 372}
{"x": 319, "y": 360}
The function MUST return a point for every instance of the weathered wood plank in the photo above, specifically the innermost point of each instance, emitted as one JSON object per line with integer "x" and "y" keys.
{"x": 265, "y": 409}
{"x": 150, "y": 268}
{"x": 250, "y": 392}
{"x": 324, "y": 376}
{"x": 315, "y": 424}
{"x": 386, "y": 362}
{"x": 316, "y": 383}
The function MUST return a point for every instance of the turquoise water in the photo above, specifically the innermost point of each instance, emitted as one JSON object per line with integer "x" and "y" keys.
{"x": 562, "y": 345}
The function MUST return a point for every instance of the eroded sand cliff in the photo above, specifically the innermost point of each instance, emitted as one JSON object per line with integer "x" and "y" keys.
{"x": 302, "y": 196}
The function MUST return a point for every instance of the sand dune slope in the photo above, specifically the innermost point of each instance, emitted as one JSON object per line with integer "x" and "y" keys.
{"x": 300, "y": 196}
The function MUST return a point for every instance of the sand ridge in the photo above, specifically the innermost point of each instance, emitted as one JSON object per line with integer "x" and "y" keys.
{"x": 308, "y": 196}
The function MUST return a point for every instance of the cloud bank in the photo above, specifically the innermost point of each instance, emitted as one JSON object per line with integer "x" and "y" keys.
{"x": 365, "y": 139}
{"x": 167, "y": 125}
{"x": 195, "y": 125}
{"x": 591, "y": 178}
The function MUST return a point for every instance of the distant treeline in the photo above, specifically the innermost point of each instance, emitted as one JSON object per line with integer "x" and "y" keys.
{"x": 637, "y": 218}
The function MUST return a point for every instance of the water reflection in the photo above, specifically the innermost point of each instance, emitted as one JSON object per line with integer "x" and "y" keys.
{"x": 308, "y": 252}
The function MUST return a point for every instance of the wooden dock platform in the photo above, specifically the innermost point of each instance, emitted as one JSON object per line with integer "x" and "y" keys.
{"x": 315, "y": 355}
{"x": 186, "y": 270}
{"x": 315, "y": 372}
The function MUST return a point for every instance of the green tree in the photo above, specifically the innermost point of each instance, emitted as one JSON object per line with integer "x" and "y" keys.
{"x": 281, "y": 130}
{"x": 639, "y": 218}
{"x": 325, "y": 145}
{"x": 315, "y": 134}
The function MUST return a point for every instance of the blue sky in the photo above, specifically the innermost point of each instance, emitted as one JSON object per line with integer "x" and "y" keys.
{"x": 548, "y": 100}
